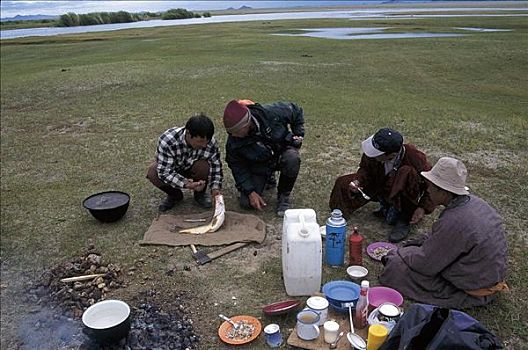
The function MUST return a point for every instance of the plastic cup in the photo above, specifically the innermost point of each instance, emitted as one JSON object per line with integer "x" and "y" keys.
{"x": 377, "y": 334}
{"x": 331, "y": 328}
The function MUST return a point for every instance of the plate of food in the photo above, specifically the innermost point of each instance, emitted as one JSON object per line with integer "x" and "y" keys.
{"x": 377, "y": 250}
{"x": 248, "y": 329}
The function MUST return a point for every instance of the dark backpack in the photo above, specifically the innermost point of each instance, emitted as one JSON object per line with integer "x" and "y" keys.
{"x": 429, "y": 327}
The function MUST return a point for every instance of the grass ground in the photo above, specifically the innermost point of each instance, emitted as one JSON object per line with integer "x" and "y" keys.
{"x": 81, "y": 114}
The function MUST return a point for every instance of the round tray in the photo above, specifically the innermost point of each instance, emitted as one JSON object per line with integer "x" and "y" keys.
{"x": 226, "y": 327}
{"x": 281, "y": 307}
{"x": 372, "y": 247}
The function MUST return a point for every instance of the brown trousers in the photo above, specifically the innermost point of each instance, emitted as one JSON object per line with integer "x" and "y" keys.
{"x": 400, "y": 191}
{"x": 198, "y": 171}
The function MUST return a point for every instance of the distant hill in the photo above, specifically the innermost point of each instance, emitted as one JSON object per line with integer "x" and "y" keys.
{"x": 28, "y": 18}
{"x": 240, "y": 8}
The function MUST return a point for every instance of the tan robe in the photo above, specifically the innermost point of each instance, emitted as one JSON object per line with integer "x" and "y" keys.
{"x": 466, "y": 250}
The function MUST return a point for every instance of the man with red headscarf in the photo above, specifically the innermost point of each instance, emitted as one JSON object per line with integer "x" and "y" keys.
{"x": 263, "y": 139}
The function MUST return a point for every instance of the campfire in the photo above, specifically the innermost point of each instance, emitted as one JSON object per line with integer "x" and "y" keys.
{"x": 63, "y": 293}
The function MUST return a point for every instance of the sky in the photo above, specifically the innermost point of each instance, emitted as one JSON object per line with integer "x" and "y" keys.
{"x": 23, "y": 7}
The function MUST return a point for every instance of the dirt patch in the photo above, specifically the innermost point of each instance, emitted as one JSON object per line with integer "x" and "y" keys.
{"x": 493, "y": 159}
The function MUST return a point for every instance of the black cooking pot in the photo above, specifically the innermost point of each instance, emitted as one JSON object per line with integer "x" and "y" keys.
{"x": 107, "y": 321}
{"x": 107, "y": 206}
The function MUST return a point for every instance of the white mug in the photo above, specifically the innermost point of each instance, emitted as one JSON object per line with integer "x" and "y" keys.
{"x": 308, "y": 325}
{"x": 331, "y": 328}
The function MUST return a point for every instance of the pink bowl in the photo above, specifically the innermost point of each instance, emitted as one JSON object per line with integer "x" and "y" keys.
{"x": 380, "y": 295}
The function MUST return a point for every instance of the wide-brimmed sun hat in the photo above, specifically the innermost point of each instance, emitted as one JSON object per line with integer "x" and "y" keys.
{"x": 449, "y": 174}
{"x": 383, "y": 141}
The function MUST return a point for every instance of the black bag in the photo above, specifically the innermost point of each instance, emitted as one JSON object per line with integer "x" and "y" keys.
{"x": 431, "y": 328}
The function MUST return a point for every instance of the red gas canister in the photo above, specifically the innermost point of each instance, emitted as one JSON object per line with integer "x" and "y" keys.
{"x": 355, "y": 248}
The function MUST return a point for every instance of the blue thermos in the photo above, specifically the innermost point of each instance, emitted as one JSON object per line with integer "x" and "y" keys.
{"x": 335, "y": 239}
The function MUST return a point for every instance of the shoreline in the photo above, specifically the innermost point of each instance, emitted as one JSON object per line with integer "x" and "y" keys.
{"x": 265, "y": 15}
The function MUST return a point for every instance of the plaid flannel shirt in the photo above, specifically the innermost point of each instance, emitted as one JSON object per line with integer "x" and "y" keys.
{"x": 174, "y": 155}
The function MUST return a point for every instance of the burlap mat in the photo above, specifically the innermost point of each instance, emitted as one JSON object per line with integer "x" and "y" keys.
{"x": 237, "y": 227}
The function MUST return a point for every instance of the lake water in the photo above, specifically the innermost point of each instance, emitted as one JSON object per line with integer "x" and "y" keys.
{"x": 355, "y": 14}
{"x": 358, "y": 33}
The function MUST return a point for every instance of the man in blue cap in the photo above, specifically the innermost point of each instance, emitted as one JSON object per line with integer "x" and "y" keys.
{"x": 389, "y": 173}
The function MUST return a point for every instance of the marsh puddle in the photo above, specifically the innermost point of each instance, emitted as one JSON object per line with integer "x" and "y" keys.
{"x": 487, "y": 30}
{"x": 360, "y": 33}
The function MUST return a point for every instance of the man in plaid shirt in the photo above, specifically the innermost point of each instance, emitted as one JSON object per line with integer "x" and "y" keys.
{"x": 187, "y": 157}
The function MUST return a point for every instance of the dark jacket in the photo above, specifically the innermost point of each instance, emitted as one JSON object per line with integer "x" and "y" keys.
{"x": 257, "y": 153}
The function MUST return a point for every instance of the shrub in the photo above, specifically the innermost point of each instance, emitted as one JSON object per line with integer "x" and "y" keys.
{"x": 177, "y": 14}
{"x": 69, "y": 19}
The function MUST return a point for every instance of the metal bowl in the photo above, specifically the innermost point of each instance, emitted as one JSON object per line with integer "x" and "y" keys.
{"x": 108, "y": 206}
{"x": 107, "y": 321}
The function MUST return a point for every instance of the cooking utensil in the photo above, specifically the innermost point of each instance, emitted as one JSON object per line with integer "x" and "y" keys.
{"x": 225, "y": 318}
{"x": 334, "y": 344}
{"x": 107, "y": 206}
{"x": 355, "y": 340}
{"x": 107, "y": 321}
{"x": 360, "y": 191}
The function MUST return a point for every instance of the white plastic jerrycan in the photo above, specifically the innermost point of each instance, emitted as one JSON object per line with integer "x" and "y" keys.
{"x": 301, "y": 252}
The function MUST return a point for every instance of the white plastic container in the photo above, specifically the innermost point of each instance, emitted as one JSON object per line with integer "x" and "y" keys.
{"x": 319, "y": 305}
{"x": 301, "y": 252}
{"x": 291, "y": 216}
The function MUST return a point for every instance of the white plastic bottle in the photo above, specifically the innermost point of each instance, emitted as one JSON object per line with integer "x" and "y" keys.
{"x": 301, "y": 253}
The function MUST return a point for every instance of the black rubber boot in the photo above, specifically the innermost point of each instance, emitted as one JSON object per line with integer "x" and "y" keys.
{"x": 203, "y": 199}
{"x": 283, "y": 203}
{"x": 168, "y": 203}
{"x": 400, "y": 231}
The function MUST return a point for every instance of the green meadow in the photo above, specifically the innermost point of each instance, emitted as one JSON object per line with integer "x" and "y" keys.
{"x": 82, "y": 114}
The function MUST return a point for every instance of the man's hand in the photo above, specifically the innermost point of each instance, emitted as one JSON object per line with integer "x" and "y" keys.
{"x": 197, "y": 186}
{"x": 353, "y": 186}
{"x": 414, "y": 242}
{"x": 297, "y": 141}
{"x": 256, "y": 201}
{"x": 418, "y": 215}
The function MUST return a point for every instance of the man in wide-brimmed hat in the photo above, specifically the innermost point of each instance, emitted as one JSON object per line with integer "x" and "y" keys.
{"x": 462, "y": 261}
{"x": 389, "y": 173}
{"x": 263, "y": 139}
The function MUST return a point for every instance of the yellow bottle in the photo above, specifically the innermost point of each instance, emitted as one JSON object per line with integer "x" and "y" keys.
{"x": 377, "y": 334}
